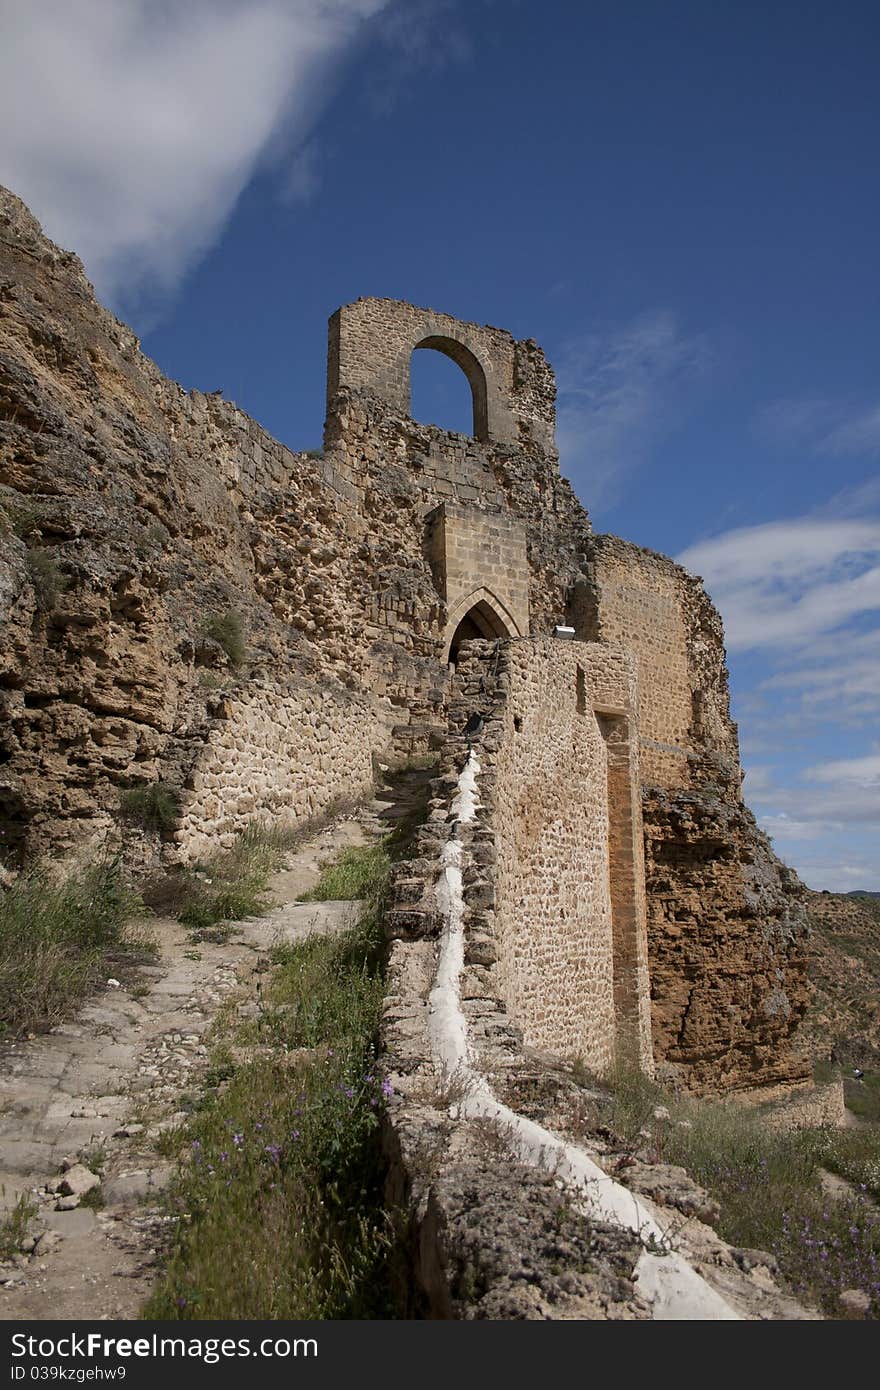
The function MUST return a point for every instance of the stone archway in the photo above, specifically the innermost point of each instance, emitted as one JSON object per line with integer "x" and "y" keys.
{"x": 480, "y": 615}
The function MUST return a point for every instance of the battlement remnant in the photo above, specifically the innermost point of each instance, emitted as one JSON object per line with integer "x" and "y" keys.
{"x": 372, "y": 340}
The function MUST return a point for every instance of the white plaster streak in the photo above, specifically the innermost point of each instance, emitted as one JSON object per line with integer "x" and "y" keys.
{"x": 447, "y": 1024}
{"x": 674, "y": 1289}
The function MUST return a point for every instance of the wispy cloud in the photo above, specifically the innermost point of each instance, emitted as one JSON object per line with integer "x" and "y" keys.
{"x": 131, "y": 129}
{"x": 833, "y": 680}
{"x": 418, "y": 37}
{"x": 619, "y": 392}
{"x": 839, "y": 874}
{"x": 836, "y": 802}
{"x": 837, "y": 428}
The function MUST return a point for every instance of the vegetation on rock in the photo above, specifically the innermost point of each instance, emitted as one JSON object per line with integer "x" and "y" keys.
{"x": 154, "y": 807}
{"x": 227, "y": 630}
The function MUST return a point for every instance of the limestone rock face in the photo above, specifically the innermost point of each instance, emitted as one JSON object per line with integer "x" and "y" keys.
{"x": 131, "y": 515}
{"x": 727, "y": 941}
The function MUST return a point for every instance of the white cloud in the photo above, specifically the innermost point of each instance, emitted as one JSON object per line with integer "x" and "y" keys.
{"x": 618, "y": 393}
{"x": 838, "y": 875}
{"x": 858, "y": 772}
{"x": 804, "y": 595}
{"x": 130, "y": 129}
{"x": 784, "y": 583}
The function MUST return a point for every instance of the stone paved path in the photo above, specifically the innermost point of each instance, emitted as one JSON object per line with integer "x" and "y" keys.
{"x": 112, "y": 1079}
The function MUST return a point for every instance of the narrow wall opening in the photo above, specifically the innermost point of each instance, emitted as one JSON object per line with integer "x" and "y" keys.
{"x": 481, "y": 621}
{"x": 623, "y": 865}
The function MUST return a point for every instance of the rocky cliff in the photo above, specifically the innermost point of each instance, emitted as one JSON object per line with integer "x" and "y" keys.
{"x": 139, "y": 524}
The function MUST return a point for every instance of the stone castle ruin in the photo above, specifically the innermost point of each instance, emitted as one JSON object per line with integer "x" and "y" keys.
{"x": 406, "y": 583}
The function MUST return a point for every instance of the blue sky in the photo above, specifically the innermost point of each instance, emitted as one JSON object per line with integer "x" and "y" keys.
{"x": 679, "y": 201}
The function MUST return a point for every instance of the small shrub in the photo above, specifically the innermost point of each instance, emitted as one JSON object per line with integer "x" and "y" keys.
{"x": 56, "y": 940}
{"x": 226, "y": 886}
{"x": 227, "y": 630}
{"x": 25, "y": 517}
{"x": 14, "y": 1226}
{"x": 154, "y": 807}
{"x": 46, "y": 577}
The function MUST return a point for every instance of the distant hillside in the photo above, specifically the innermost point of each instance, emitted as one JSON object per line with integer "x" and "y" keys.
{"x": 844, "y": 1017}
{"x": 862, "y": 893}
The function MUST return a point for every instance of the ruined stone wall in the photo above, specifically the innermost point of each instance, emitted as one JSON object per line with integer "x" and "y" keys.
{"x": 403, "y": 471}
{"x": 159, "y": 510}
{"x": 372, "y": 340}
{"x": 654, "y": 608}
{"x": 506, "y": 479}
{"x": 481, "y": 1158}
{"x": 726, "y": 925}
{"x": 563, "y": 896}
{"x": 552, "y": 889}
{"x": 134, "y": 516}
{"x": 283, "y": 754}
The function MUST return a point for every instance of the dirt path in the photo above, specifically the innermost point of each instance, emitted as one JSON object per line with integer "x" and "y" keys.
{"x": 108, "y": 1085}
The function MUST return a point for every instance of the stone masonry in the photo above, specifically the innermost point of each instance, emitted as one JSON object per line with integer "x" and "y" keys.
{"x": 637, "y": 899}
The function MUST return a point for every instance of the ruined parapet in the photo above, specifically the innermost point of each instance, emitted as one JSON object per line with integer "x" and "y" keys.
{"x": 648, "y": 604}
{"x": 371, "y": 342}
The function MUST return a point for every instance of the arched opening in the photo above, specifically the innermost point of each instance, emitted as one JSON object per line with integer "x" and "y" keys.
{"x": 440, "y": 393}
{"x": 480, "y": 621}
{"x": 434, "y": 392}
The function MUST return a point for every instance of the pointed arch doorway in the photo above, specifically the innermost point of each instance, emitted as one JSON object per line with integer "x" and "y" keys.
{"x": 481, "y": 615}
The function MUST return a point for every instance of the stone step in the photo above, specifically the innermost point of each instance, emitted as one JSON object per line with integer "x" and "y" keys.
{"x": 295, "y": 921}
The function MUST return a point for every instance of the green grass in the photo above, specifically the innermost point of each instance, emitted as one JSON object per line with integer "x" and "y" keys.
{"x": 768, "y": 1185}
{"x": 226, "y": 886}
{"x": 57, "y": 940}
{"x": 154, "y": 807}
{"x": 279, "y": 1199}
{"x": 356, "y": 874}
{"x": 863, "y": 1097}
